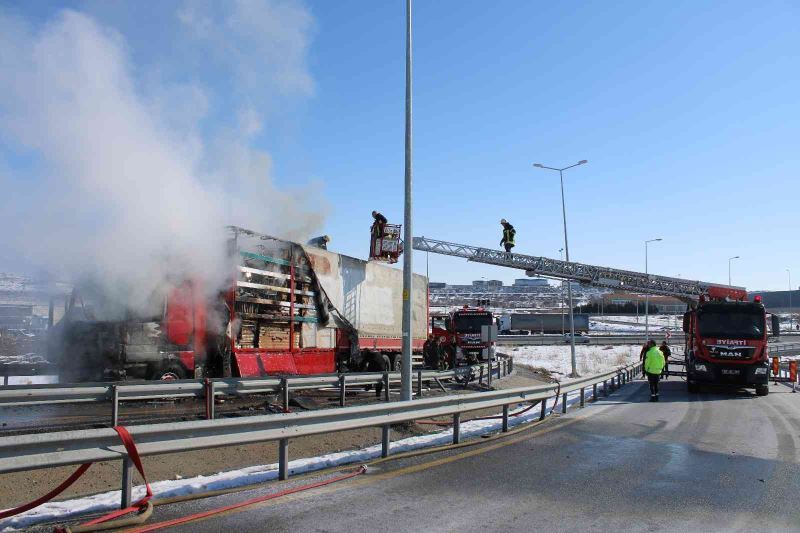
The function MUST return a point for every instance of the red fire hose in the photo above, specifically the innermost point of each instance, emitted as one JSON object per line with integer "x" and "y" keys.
{"x": 133, "y": 454}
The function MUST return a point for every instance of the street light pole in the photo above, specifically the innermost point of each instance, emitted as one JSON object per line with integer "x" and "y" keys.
{"x": 405, "y": 374}
{"x": 790, "y": 298}
{"x": 560, "y": 171}
{"x": 561, "y": 295}
{"x": 729, "y": 269}
{"x": 647, "y": 293}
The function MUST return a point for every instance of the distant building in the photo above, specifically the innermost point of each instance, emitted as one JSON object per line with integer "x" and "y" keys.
{"x": 531, "y": 282}
{"x": 777, "y": 299}
{"x": 437, "y": 285}
{"x": 492, "y": 284}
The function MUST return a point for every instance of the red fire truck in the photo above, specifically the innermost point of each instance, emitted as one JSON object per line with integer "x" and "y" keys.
{"x": 726, "y": 341}
{"x": 461, "y": 333}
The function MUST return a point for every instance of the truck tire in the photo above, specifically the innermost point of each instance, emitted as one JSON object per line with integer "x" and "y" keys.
{"x": 172, "y": 372}
{"x": 762, "y": 390}
{"x": 395, "y": 365}
{"x": 692, "y": 387}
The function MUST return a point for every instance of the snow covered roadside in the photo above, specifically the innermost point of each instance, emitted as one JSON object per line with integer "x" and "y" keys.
{"x": 108, "y": 501}
{"x": 592, "y": 359}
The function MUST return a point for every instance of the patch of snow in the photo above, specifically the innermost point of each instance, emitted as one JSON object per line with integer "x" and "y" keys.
{"x": 592, "y": 359}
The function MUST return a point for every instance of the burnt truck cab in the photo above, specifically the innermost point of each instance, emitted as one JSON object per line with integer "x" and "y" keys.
{"x": 461, "y": 331}
{"x": 726, "y": 343}
{"x": 97, "y": 342}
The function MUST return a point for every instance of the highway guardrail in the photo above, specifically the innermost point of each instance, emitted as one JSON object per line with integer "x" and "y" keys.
{"x": 47, "y": 450}
{"x": 208, "y": 389}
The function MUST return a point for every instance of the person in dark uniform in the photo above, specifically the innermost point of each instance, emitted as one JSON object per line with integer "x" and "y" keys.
{"x": 375, "y": 362}
{"x": 320, "y": 242}
{"x": 378, "y": 223}
{"x": 667, "y": 352}
{"x": 508, "y": 235}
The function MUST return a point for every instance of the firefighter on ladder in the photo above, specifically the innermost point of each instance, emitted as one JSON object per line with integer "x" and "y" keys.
{"x": 378, "y": 224}
{"x": 508, "y": 235}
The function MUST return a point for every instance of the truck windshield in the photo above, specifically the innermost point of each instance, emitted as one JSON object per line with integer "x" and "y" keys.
{"x": 472, "y": 323}
{"x": 732, "y": 324}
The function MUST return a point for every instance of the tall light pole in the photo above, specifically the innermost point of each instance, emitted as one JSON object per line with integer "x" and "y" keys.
{"x": 405, "y": 374}
{"x": 647, "y": 293}
{"x": 561, "y": 295}
{"x": 560, "y": 171}
{"x": 790, "y": 298}
{"x": 729, "y": 269}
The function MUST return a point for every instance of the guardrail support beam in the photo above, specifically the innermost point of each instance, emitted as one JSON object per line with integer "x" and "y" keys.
{"x": 544, "y": 409}
{"x": 583, "y": 397}
{"x": 386, "y": 386}
{"x": 209, "y": 390}
{"x": 505, "y": 419}
{"x": 285, "y": 395}
{"x": 605, "y": 387}
{"x": 419, "y": 383}
{"x": 114, "y": 406}
{"x": 342, "y": 389}
{"x": 564, "y": 403}
{"x": 283, "y": 459}
{"x": 594, "y": 392}
{"x": 127, "y": 483}
{"x": 456, "y": 428}
{"x": 386, "y": 435}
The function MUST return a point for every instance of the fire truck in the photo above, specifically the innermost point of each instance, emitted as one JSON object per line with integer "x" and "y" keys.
{"x": 726, "y": 335}
{"x": 726, "y": 341}
{"x": 460, "y": 332}
{"x": 285, "y": 309}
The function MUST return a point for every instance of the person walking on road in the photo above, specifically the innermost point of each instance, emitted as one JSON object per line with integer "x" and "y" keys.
{"x": 645, "y": 347}
{"x": 667, "y": 352}
{"x": 653, "y": 366}
{"x": 508, "y": 235}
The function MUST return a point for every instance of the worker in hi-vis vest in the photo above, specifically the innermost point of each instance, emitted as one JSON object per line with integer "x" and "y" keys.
{"x": 653, "y": 366}
{"x": 508, "y": 235}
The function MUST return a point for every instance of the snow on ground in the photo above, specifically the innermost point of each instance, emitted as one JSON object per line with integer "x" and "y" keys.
{"x": 624, "y": 323}
{"x": 32, "y": 380}
{"x": 590, "y": 359}
{"x": 109, "y": 501}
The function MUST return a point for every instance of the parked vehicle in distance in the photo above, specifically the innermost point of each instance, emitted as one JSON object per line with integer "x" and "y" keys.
{"x": 541, "y": 323}
{"x": 580, "y": 338}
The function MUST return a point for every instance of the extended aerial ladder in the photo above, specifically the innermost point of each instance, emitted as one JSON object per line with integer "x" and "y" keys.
{"x": 597, "y": 276}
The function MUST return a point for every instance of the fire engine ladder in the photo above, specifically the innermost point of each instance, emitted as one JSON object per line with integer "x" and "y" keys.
{"x": 596, "y": 276}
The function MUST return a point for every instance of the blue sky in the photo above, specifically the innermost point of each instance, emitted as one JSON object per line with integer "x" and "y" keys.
{"x": 686, "y": 111}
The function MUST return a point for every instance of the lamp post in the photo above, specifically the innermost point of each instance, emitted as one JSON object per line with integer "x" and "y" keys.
{"x": 561, "y": 295}
{"x": 647, "y": 293}
{"x": 729, "y": 269}
{"x": 405, "y": 374}
{"x": 566, "y": 249}
{"x": 789, "y": 272}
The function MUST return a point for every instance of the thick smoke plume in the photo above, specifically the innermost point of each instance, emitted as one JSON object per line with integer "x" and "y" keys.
{"x": 114, "y": 178}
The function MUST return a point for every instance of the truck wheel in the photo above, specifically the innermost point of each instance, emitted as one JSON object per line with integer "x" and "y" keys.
{"x": 171, "y": 373}
{"x": 692, "y": 387}
{"x": 762, "y": 390}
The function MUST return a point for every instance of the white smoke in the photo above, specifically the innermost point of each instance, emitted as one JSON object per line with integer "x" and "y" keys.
{"x": 124, "y": 185}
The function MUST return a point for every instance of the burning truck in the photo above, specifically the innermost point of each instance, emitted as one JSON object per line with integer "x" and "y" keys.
{"x": 286, "y": 309}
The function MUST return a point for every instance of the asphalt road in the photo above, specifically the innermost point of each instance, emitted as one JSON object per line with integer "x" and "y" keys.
{"x": 715, "y": 461}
